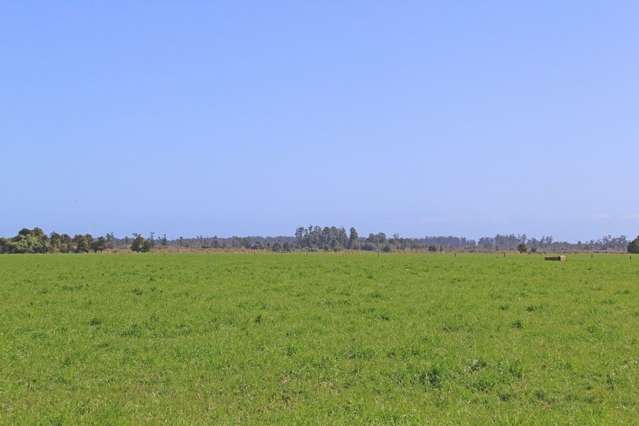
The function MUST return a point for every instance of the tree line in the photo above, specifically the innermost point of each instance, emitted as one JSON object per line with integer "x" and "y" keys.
{"x": 36, "y": 241}
{"x": 311, "y": 238}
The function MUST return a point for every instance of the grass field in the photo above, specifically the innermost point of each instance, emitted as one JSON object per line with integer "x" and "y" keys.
{"x": 318, "y": 339}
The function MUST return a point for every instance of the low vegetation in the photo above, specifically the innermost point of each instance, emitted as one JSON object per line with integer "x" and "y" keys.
{"x": 318, "y": 339}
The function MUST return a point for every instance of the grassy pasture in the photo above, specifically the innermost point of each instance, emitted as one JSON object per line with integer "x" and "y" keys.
{"x": 318, "y": 339}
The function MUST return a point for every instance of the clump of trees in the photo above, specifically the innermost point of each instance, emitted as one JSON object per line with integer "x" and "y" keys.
{"x": 141, "y": 245}
{"x": 36, "y": 241}
{"x": 317, "y": 238}
{"x": 27, "y": 241}
{"x": 281, "y": 247}
{"x": 335, "y": 239}
{"x": 633, "y": 246}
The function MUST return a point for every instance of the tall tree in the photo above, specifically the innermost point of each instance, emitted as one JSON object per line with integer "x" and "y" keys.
{"x": 353, "y": 236}
{"x": 55, "y": 242}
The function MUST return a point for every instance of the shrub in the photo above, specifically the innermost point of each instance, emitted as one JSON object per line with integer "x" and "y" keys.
{"x": 140, "y": 245}
{"x": 147, "y": 245}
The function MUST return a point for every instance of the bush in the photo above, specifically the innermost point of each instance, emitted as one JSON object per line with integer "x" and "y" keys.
{"x": 368, "y": 246}
{"x": 147, "y": 245}
{"x": 99, "y": 244}
{"x": 140, "y": 245}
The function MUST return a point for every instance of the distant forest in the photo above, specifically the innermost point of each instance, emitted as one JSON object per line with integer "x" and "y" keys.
{"x": 312, "y": 238}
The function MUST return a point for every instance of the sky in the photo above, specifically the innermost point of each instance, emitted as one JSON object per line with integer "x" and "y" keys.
{"x": 465, "y": 118}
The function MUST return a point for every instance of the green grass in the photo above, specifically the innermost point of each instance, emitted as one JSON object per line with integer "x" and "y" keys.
{"x": 318, "y": 339}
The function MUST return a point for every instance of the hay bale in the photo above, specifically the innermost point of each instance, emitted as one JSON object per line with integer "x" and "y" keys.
{"x": 556, "y": 258}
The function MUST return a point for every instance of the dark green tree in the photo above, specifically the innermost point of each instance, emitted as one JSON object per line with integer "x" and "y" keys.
{"x": 99, "y": 245}
{"x": 353, "y": 238}
{"x": 82, "y": 243}
{"x": 138, "y": 243}
{"x": 633, "y": 247}
{"x": 147, "y": 245}
{"x": 55, "y": 242}
{"x": 66, "y": 243}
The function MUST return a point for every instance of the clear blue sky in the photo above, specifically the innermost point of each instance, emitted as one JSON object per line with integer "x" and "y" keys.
{"x": 421, "y": 118}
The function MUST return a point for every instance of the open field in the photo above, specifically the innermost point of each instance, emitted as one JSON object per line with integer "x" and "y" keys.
{"x": 318, "y": 339}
